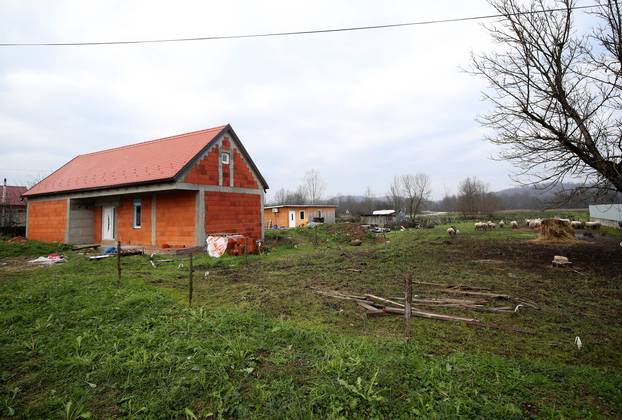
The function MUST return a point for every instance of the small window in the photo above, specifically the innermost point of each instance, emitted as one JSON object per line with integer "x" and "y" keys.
{"x": 224, "y": 158}
{"x": 319, "y": 213}
{"x": 138, "y": 213}
{"x": 302, "y": 215}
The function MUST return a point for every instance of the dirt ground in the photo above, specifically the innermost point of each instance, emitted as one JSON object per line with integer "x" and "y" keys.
{"x": 600, "y": 255}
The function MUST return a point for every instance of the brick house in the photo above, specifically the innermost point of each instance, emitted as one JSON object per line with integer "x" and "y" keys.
{"x": 12, "y": 207}
{"x": 170, "y": 192}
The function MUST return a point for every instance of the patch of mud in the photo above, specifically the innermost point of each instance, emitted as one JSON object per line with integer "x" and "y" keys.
{"x": 602, "y": 256}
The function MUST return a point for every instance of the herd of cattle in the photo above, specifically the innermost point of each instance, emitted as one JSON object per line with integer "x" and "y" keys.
{"x": 530, "y": 223}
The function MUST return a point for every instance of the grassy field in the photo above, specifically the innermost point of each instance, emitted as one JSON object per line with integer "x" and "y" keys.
{"x": 259, "y": 341}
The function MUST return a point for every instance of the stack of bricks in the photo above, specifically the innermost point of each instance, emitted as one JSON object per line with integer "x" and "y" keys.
{"x": 233, "y": 213}
{"x": 47, "y": 220}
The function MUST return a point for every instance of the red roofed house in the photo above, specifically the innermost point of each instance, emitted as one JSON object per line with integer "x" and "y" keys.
{"x": 170, "y": 192}
{"x": 12, "y": 207}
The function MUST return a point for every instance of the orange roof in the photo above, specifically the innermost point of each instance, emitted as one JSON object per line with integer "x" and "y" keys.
{"x": 146, "y": 162}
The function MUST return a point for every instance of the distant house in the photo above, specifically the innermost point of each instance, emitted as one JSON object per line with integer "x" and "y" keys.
{"x": 12, "y": 207}
{"x": 169, "y": 192}
{"x": 379, "y": 218}
{"x": 607, "y": 214}
{"x": 296, "y": 215}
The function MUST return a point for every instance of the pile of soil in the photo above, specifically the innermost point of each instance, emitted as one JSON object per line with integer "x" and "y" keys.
{"x": 346, "y": 232}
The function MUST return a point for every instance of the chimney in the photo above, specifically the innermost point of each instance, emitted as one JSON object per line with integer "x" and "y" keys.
{"x": 4, "y": 192}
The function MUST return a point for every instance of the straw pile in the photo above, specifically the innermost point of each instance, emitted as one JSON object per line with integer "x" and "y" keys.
{"x": 556, "y": 230}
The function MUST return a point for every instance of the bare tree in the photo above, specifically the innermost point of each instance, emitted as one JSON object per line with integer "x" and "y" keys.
{"x": 474, "y": 198}
{"x": 556, "y": 93}
{"x": 394, "y": 195}
{"x": 314, "y": 186}
{"x": 369, "y": 200}
{"x": 278, "y": 197}
{"x": 416, "y": 189}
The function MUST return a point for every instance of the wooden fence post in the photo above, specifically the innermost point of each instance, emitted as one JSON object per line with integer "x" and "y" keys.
{"x": 315, "y": 232}
{"x": 408, "y": 295}
{"x": 119, "y": 262}
{"x": 190, "y": 282}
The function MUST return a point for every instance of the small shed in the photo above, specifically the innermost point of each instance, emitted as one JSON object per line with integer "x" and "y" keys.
{"x": 607, "y": 214}
{"x": 380, "y": 218}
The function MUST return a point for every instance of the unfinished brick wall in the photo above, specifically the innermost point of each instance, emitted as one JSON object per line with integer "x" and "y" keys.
{"x": 47, "y": 220}
{"x": 233, "y": 213}
{"x": 205, "y": 171}
{"x": 126, "y": 232}
{"x": 175, "y": 218}
{"x": 243, "y": 176}
{"x": 97, "y": 224}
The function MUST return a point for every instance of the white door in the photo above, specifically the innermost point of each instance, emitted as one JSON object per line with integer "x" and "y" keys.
{"x": 292, "y": 218}
{"x": 108, "y": 215}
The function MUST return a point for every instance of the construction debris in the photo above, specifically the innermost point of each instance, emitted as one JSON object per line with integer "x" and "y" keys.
{"x": 49, "y": 260}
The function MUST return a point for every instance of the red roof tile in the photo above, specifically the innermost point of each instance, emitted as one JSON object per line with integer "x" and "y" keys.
{"x": 13, "y": 194}
{"x": 150, "y": 161}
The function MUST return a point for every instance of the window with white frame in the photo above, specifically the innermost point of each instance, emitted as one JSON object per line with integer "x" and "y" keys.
{"x": 138, "y": 213}
{"x": 224, "y": 157}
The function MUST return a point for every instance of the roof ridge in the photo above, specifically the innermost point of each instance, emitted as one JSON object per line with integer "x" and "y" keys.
{"x": 129, "y": 146}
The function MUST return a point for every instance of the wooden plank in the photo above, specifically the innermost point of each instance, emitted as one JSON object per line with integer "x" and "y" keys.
{"x": 482, "y": 294}
{"x": 189, "y": 251}
{"x": 408, "y": 297}
{"x": 370, "y": 310}
{"x": 431, "y": 315}
{"x": 383, "y": 300}
{"x": 85, "y": 246}
{"x": 434, "y": 301}
{"x": 450, "y": 286}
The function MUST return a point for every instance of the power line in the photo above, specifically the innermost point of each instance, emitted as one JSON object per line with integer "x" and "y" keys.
{"x": 292, "y": 33}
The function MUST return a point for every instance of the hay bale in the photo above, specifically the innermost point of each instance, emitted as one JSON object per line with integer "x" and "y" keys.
{"x": 556, "y": 230}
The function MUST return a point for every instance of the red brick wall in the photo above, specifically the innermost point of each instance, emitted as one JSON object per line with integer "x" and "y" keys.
{"x": 47, "y": 220}
{"x": 126, "y": 232}
{"x": 242, "y": 176}
{"x": 205, "y": 171}
{"x": 175, "y": 218}
{"x": 233, "y": 213}
{"x": 226, "y": 169}
{"x": 97, "y": 225}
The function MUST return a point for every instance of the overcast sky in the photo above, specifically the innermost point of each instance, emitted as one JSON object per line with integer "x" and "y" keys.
{"x": 359, "y": 107}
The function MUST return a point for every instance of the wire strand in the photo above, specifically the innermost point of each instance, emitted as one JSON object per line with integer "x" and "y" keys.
{"x": 291, "y": 33}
